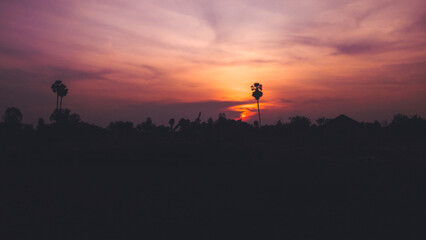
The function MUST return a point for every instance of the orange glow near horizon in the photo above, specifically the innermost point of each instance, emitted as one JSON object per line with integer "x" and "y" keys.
{"x": 249, "y": 111}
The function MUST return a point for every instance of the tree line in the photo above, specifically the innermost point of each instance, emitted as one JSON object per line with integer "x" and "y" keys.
{"x": 297, "y": 125}
{"x": 12, "y": 119}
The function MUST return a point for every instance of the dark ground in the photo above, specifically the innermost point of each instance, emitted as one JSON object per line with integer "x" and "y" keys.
{"x": 69, "y": 185}
{"x": 351, "y": 199}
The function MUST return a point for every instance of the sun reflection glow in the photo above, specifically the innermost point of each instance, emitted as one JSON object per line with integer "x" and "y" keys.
{"x": 247, "y": 111}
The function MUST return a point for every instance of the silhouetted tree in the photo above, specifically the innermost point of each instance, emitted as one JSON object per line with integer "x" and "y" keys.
{"x": 198, "y": 119}
{"x": 210, "y": 122}
{"x": 12, "y": 120}
{"x": 74, "y": 118}
{"x": 146, "y": 126}
{"x": 62, "y": 92}
{"x": 322, "y": 121}
{"x": 221, "y": 117}
{"x": 12, "y": 116}
{"x": 184, "y": 125}
{"x": 60, "y": 115}
{"x": 64, "y": 116}
{"x": 400, "y": 120}
{"x": 256, "y": 89}
{"x": 56, "y": 88}
{"x": 171, "y": 123}
{"x": 40, "y": 124}
{"x": 408, "y": 128}
{"x": 300, "y": 122}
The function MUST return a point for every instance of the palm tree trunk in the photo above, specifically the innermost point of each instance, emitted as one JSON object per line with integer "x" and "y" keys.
{"x": 57, "y": 101}
{"x": 61, "y": 103}
{"x": 258, "y": 110}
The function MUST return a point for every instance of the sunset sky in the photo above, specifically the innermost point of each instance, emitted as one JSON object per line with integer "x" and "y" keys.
{"x": 133, "y": 59}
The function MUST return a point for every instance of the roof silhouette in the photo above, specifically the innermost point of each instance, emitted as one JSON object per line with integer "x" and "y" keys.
{"x": 343, "y": 121}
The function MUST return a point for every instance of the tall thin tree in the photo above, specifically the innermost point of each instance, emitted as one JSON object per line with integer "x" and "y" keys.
{"x": 55, "y": 87}
{"x": 256, "y": 89}
{"x": 62, "y": 92}
{"x": 171, "y": 122}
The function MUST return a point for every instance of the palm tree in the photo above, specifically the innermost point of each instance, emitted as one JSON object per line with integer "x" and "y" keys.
{"x": 62, "y": 92}
{"x": 55, "y": 87}
{"x": 256, "y": 89}
{"x": 171, "y": 122}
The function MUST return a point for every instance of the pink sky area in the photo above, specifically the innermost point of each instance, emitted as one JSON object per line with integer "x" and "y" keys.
{"x": 133, "y": 59}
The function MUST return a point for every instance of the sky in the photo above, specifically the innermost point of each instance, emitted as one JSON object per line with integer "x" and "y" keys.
{"x": 133, "y": 59}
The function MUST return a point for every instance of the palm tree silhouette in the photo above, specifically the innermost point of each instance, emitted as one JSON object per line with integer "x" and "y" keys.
{"x": 55, "y": 87}
{"x": 62, "y": 92}
{"x": 256, "y": 89}
{"x": 171, "y": 122}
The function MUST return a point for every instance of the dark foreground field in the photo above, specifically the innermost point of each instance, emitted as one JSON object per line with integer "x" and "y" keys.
{"x": 301, "y": 197}
{"x": 83, "y": 182}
